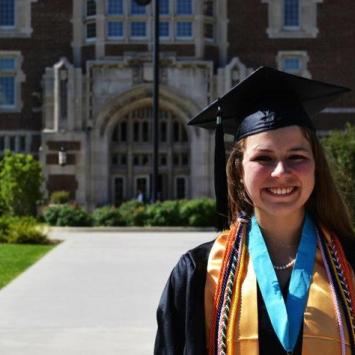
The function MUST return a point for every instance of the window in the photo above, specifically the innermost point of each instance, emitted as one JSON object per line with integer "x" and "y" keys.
{"x": 123, "y": 159}
{"x": 163, "y": 132}
{"x": 7, "y": 13}
{"x": 176, "y": 160}
{"x": 179, "y": 132}
{"x": 12, "y": 143}
{"x": 136, "y": 131}
{"x": 114, "y": 159}
{"x": 115, "y": 7}
{"x": 7, "y": 82}
{"x": 209, "y": 31}
{"x": 118, "y": 190}
{"x": 164, "y": 7}
{"x": 291, "y": 13}
{"x": 293, "y": 62}
{"x": 91, "y": 8}
{"x": 145, "y": 131}
{"x": 22, "y": 143}
{"x": 114, "y": 29}
{"x": 91, "y": 30}
{"x": 184, "y": 159}
{"x": 138, "y": 29}
{"x": 184, "y": 7}
{"x": 184, "y": 29}
{"x": 164, "y": 29}
{"x": 123, "y": 131}
{"x": 163, "y": 159}
{"x": 291, "y": 65}
{"x": 180, "y": 187}
{"x": 292, "y": 18}
{"x": 208, "y": 9}
{"x": 2, "y": 143}
{"x": 137, "y": 9}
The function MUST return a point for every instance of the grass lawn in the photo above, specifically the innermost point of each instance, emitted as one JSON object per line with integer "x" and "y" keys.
{"x": 15, "y": 258}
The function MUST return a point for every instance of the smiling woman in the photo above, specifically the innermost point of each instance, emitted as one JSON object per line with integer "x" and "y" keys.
{"x": 280, "y": 279}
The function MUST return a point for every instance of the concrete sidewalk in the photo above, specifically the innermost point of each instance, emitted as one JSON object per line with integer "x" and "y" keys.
{"x": 94, "y": 294}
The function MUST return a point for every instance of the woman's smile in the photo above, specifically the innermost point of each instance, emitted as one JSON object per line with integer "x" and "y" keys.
{"x": 281, "y": 191}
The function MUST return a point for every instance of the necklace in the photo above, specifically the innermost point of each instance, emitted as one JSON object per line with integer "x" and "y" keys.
{"x": 285, "y": 266}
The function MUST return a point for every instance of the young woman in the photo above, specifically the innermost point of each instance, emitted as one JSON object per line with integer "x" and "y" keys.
{"x": 280, "y": 280}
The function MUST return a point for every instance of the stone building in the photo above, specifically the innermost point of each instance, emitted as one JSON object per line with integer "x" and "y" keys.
{"x": 76, "y": 78}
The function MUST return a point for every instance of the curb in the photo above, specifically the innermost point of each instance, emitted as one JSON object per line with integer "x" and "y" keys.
{"x": 130, "y": 229}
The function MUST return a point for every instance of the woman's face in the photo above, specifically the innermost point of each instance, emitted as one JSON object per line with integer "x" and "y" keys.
{"x": 278, "y": 171}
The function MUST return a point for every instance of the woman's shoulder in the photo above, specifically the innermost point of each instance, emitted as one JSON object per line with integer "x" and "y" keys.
{"x": 195, "y": 258}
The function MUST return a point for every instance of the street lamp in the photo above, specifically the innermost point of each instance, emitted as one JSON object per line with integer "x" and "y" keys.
{"x": 155, "y": 137}
{"x": 62, "y": 156}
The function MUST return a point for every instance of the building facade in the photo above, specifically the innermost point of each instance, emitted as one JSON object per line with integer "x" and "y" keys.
{"x": 76, "y": 78}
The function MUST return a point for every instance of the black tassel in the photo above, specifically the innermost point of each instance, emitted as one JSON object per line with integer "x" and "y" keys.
{"x": 220, "y": 176}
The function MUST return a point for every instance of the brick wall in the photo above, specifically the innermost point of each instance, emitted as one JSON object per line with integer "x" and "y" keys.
{"x": 331, "y": 53}
{"x": 50, "y": 40}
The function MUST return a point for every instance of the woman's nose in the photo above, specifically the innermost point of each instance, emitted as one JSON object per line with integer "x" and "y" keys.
{"x": 280, "y": 169}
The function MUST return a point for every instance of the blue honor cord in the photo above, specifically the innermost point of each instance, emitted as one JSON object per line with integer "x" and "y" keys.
{"x": 286, "y": 319}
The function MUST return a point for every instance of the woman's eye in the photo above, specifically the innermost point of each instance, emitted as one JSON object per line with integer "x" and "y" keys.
{"x": 262, "y": 158}
{"x": 297, "y": 157}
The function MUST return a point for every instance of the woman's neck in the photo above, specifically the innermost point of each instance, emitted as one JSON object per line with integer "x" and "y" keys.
{"x": 281, "y": 230}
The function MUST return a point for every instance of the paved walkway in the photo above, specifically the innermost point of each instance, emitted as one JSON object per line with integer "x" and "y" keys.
{"x": 94, "y": 294}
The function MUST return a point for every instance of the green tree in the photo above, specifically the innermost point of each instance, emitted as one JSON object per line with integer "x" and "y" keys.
{"x": 340, "y": 150}
{"x": 20, "y": 184}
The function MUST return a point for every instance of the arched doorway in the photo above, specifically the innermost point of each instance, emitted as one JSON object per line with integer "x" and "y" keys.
{"x": 131, "y": 154}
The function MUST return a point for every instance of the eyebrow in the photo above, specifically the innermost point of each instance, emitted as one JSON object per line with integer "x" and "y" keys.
{"x": 293, "y": 149}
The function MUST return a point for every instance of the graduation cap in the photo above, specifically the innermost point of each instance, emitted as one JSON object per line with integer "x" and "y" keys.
{"x": 267, "y": 99}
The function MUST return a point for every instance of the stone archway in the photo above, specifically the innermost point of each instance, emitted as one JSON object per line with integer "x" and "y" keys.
{"x": 123, "y": 129}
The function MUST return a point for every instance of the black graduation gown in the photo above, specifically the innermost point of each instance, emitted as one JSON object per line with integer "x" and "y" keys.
{"x": 181, "y": 315}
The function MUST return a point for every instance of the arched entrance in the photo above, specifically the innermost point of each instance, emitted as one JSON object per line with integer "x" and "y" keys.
{"x": 131, "y": 154}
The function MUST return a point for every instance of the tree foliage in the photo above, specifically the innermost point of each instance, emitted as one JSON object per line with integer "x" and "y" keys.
{"x": 20, "y": 184}
{"x": 340, "y": 150}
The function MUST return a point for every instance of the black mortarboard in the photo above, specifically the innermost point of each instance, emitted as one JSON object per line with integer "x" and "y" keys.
{"x": 267, "y": 99}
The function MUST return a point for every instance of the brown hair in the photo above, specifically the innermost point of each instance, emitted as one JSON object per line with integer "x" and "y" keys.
{"x": 325, "y": 203}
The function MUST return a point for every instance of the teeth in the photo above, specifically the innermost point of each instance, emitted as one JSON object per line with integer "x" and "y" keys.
{"x": 281, "y": 190}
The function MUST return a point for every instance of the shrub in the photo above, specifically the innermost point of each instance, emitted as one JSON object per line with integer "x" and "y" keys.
{"x": 340, "y": 150}
{"x": 60, "y": 197}
{"x": 199, "y": 212}
{"x": 165, "y": 213}
{"x": 67, "y": 215}
{"x": 133, "y": 213}
{"x": 20, "y": 188}
{"x": 21, "y": 230}
{"x": 107, "y": 216}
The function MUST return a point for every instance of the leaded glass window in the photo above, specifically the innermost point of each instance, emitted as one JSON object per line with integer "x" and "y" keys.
{"x": 184, "y": 7}
{"x": 138, "y": 29}
{"x": 115, "y": 29}
{"x": 90, "y": 8}
{"x": 291, "y": 65}
{"x": 115, "y": 7}
{"x": 7, "y": 13}
{"x": 291, "y": 13}
{"x": 137, "y": 9}
{"x": 184, "y": 29}
{"x": 164, "y": 29}
{"x": 164, "y": 7}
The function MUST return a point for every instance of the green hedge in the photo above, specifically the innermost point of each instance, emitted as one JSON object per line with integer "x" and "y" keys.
{"x": 107, "y": 216}
{"x": 340, "y": 150}
{"x": 198, "y": 212}
{"x": 21, "y": 230}
{"x": 66, "y": 215}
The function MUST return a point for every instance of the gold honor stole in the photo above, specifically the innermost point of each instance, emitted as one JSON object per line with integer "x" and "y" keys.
{"x": 321, "y": 333}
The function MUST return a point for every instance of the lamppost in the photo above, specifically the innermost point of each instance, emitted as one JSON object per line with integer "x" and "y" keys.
{"x": 62, "y": 156}
{"x": 154, "y": 191}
